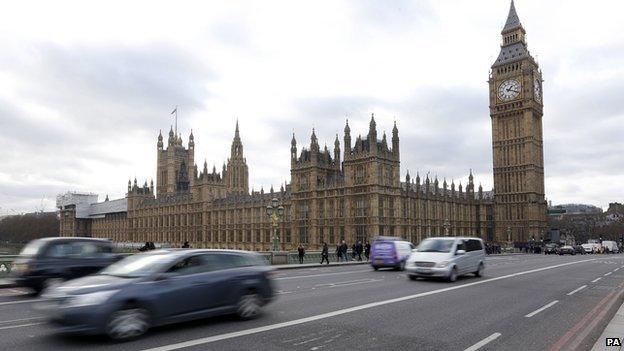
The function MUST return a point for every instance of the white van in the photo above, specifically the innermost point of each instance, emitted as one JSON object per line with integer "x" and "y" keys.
{"x": 610, "y": 246}
{"x": 447, "y": 257}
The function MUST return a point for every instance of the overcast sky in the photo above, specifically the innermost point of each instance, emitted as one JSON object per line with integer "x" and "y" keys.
{"x": 86, "y": 86}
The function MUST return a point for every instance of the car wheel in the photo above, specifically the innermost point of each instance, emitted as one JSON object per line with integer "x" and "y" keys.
{"x": 248, "y": 306}
{"x": 402, "y": 266}
{"x": 479, "y": 272}
{"x": 127, "y": 323}
{"x": 452, "y": 275}
{"x": 375, "y": 268}
{"x": 412, "y": 277}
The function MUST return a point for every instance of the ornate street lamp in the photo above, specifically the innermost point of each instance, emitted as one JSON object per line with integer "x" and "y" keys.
{"x": 446, "y": 226}
{"x": 275, "y": 211}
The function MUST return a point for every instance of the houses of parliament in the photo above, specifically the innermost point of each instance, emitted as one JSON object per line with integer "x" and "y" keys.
{"x": 353, "y": 192}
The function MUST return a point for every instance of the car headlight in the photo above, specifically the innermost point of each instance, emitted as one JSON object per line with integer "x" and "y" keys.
{"x": 442, "y": 264}
{"x": 91, "y": 299}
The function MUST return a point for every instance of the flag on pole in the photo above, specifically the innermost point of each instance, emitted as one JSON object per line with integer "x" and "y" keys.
{"x": 174, "y": 110}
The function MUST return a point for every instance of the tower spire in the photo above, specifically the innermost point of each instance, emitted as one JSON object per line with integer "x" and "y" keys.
{"x": 513, "y": 21}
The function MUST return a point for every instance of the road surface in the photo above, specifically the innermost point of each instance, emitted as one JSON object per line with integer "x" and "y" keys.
{"x": 523, "y": 302}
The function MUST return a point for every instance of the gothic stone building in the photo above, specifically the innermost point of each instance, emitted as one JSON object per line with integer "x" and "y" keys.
{"x": 353, "y": 194}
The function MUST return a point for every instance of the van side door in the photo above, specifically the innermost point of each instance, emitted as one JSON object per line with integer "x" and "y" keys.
{"x": 461, "y": 261}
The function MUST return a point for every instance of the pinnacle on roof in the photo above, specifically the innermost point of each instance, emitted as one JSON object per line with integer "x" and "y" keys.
{"x": 293, "y": 142}
{"x": 347, "y": 129}
{"x": 513, "y": 21}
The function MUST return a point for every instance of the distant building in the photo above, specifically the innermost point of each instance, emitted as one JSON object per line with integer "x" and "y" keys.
{"x": 573, "y": 209}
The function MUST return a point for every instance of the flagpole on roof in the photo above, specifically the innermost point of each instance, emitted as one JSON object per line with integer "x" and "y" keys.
{"x": 175, "y": 111}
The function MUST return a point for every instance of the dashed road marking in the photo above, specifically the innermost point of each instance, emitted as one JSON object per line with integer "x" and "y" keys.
{"x": 595, "y": 280}
{"x": 541, "y": 309}
{"x": 483, "y": 342}
{"x": 576, "y": 290}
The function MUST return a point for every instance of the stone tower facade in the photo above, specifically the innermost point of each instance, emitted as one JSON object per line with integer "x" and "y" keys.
{"x": 516, "y": 110}
{"x": 175, "y": 171}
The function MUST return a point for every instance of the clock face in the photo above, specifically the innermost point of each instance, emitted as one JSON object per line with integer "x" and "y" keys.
{"x": 509, "y": 90}
{"x": 537, "y": 89}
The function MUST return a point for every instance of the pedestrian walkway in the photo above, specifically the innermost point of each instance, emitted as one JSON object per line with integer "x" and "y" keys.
{"x": 615, "y": 329}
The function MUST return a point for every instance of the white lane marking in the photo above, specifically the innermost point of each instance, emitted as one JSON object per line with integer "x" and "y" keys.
{"x": 483, "y": 342}
{"x": 211, "y": 339}
{"x": 320, "y": 275}
{"x": 617, "y": 269}
{"x": 595, "y": 280}
{"x": 284, "y": 292}
{"x": 16, "y": 302}
{"x": 606, "y": 274}
{"x": 20, "y": 320}
{"x": 576, "y": 290}
{"x": 541, "y": 309}
{"x": 351, "y": 282}
{"x": 20, "y": 325}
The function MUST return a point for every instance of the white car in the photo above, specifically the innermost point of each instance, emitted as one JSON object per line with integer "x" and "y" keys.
{"x": 588, "y": 248}
{"x": 447, "y": 257}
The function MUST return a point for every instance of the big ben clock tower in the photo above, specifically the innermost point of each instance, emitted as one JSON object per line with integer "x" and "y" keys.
{"x": 516, "y": 109}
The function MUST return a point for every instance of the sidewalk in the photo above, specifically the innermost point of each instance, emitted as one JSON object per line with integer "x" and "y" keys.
{"x": 615, "y": 329}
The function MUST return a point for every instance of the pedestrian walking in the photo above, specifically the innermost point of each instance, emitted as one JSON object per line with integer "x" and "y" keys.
{"x": 325, "y": 253}
{"x": 338, "y": 253}
{"x": 353, "y": 252}
{"x": 343, "y": 251}
{"x": 367, "y": 248}
{"x": 358, "y": 249}
{"x": 301, "y": 251}
{"x": 186, "y": 245}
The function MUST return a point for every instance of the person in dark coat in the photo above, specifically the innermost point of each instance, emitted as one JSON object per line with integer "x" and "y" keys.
{"x": 358, "y": 250}
{"x": 353, "y": 252}
{"x": 367, "y": 248}
{"x": 338, "y": 253}
{"x": 343, "y": 251}
{"x": 325, "y": 253}
{"x": 186, "y": 245}
{"x": 301, "y": 251}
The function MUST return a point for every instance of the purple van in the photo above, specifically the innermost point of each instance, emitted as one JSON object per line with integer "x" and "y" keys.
{"x": 390, "y": 252}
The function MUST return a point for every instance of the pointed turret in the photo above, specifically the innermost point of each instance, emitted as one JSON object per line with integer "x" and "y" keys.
{"x": 417, "y": 178}
{"x": 160, "y": 140}
{"x": 171, "y": 139}
{"x": 347, "y": 139}
{"x": 372, "y": 131}
{"x": 314, "y": 146}
{"x": 395, "y": 140}
{"x": 407, "y": 177}
{"x": 191, "y": 143}
{"x": 337, "y": 151}
{"x": 293, "y": 151}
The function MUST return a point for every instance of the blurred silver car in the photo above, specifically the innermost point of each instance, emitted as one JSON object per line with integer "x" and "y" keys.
{"x": 447, "y": 257}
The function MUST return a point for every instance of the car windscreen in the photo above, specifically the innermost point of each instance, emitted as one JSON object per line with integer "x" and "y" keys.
{"x": 32, "y": 248}
{"x": 436, "y": 245}
{"x": 139, "y": 265}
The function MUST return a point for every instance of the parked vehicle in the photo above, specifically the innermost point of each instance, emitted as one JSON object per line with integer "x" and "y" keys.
{"x": 550, "y": 249}
{"x": 160, "y": 287}
{"x": 566, "y": 250}
{"x": 390, "y": 252}
{"x": 49, "y": 261}
{"x": 610, "y": 246}
{"x": 578, "y": 249}
{"x": 447, "y": 257}
{"x": 588, "y": 248}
